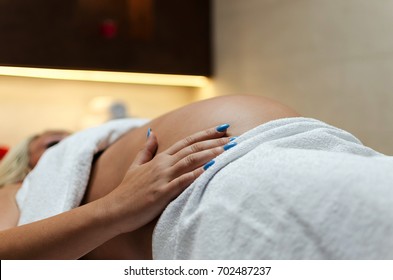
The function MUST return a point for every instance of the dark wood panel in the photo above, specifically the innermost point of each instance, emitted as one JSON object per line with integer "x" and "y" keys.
{"x": 156, "y": 36}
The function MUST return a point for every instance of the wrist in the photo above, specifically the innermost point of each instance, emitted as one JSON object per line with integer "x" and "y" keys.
{"x": 111, "y": 214}
{"x": 106, "y": 216}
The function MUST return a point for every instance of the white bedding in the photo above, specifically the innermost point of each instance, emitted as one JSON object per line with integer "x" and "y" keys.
{"x": 291, "y": 189}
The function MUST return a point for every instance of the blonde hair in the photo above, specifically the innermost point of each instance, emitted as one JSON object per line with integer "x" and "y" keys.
{"x": 14, "y": 167}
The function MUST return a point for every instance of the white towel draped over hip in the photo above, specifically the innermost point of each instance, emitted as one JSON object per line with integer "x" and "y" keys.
{"x": 292, "y": 188}
{"x": 59, "y": 180}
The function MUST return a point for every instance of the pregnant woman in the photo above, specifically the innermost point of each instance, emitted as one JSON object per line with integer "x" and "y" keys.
{"x": 121, "y": 205}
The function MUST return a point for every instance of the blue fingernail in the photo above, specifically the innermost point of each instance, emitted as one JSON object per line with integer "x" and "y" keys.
{"x": 148, "y": 132}
{"x": 229, "y": 145}
{"x": 232, "y": 138}
{"x": 222, "y": 128}
{"x": 207, "y": 165}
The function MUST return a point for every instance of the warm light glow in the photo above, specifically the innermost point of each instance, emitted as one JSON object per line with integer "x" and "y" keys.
{"x": 106, "y": 76}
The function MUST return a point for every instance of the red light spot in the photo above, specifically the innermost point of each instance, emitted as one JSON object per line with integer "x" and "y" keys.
{"x": 3, "y": 151}
{"x": 108, "y": 29}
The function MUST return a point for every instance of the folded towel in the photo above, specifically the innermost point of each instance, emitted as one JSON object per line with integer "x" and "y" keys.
{"x": 59, "y": 180}
{"x": 292, "y": 188}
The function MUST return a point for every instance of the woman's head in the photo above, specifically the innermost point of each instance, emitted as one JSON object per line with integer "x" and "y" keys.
{"x": 15, "y": 165}
{"x": 22, "y": 158}
{"x": 40, "y": 143}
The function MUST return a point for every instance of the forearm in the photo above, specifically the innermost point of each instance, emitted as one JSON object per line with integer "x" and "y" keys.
{"x": 69, "y": 235}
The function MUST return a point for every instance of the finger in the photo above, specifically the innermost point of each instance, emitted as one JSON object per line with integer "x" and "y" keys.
{"x": 178, "y": 185}
{"x": 148, "y": 151}
{"x": 199, "y": 147}
{"x": 195, "y": 160}
{"x": 210, "y": 133}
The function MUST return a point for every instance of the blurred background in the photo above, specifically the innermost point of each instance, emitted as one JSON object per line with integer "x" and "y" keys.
{"x": 328, "y": 59}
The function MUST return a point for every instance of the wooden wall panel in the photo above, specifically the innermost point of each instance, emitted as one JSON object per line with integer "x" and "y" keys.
{"x": 156, "y": 36}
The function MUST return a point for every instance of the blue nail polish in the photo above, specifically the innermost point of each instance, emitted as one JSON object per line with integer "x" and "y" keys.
{"x": 222, "y": 128}
{"x": 207, "y": 165}
{"x": 148, "y": 132}
{"x": 232, "y": 138}
{"x": 229, "y": 145}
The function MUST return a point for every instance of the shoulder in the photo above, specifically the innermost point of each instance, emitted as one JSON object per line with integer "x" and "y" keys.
{"x": 10, "y": 189}
{"x": 9, "y": 212}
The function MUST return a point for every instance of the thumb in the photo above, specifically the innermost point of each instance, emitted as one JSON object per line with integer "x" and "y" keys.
{"x": 148, "y": 151}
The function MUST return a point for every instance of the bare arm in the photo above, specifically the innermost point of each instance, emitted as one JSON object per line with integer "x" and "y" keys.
{"x": 65, "y": 236}
{"x": 148, "y": 186}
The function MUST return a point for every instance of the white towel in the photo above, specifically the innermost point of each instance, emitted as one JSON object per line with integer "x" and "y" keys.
{"x": 292, "y": 188}
{"x": 59, "y": 180}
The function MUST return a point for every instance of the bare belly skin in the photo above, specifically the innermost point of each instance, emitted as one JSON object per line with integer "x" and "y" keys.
{"x": 241, "y": 112}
